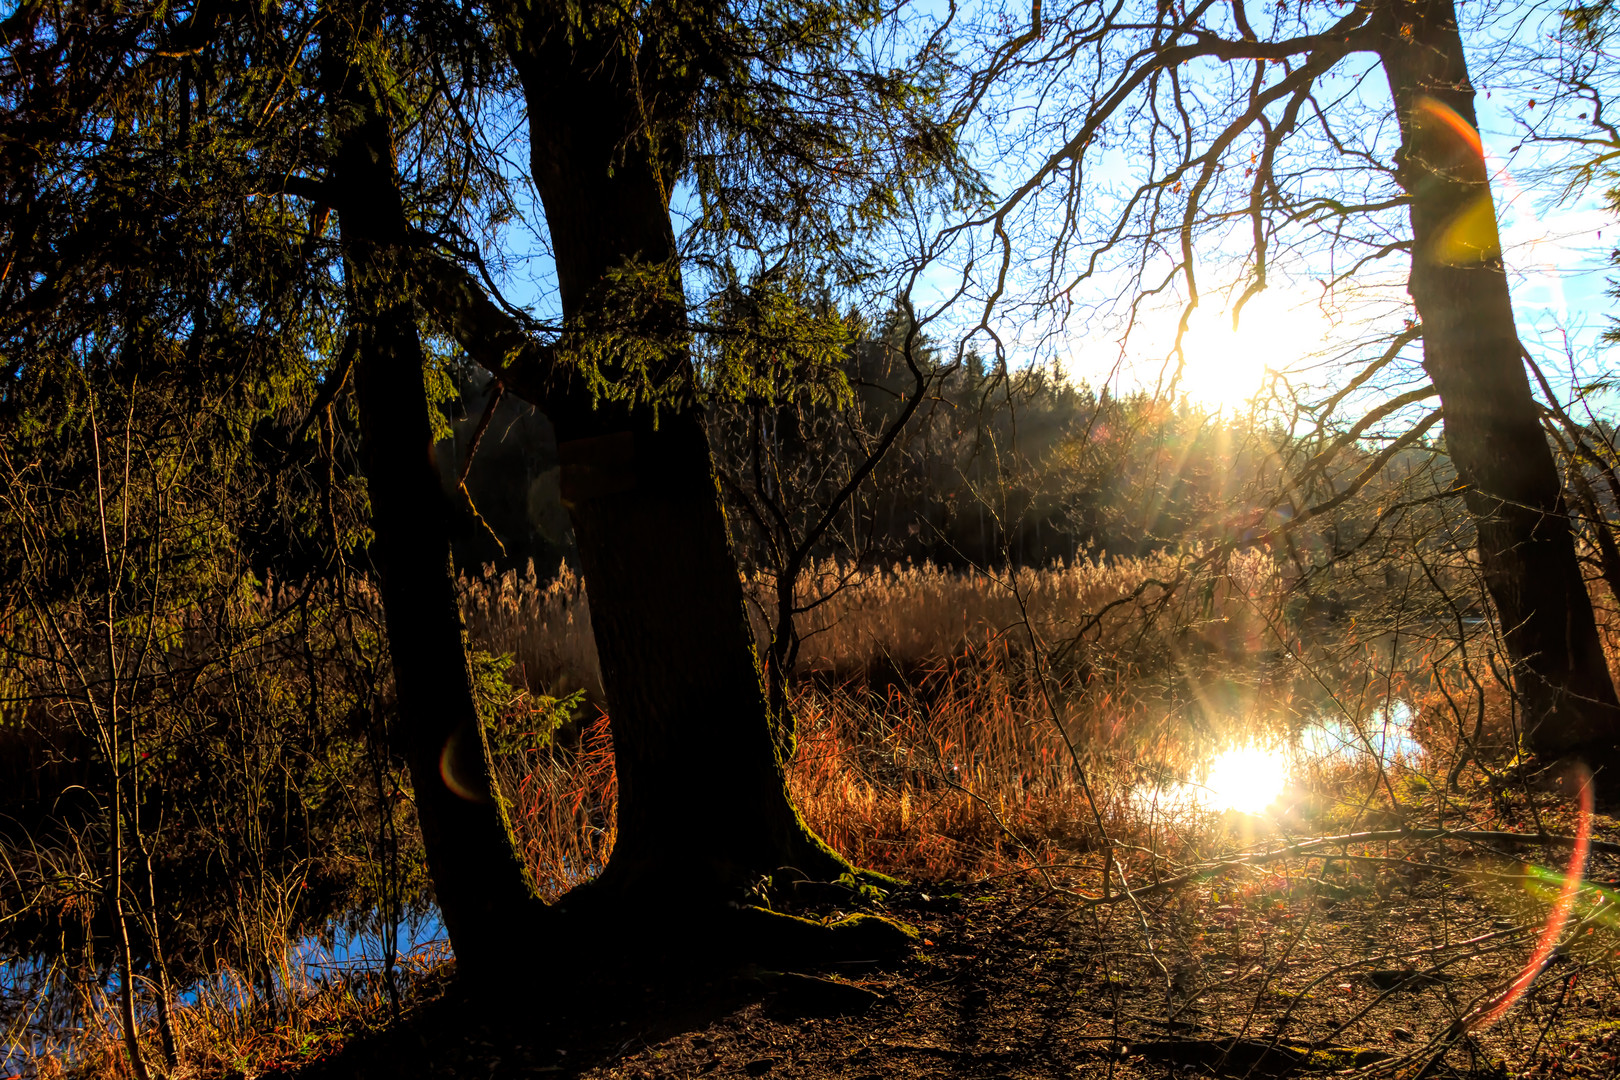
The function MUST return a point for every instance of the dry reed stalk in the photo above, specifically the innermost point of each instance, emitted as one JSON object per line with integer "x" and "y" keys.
{"x": 562, "y": 801}
{"x": 545, "y": 628}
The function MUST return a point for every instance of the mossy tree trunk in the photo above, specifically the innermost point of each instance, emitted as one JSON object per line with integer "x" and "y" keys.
{"x": 1493, "y": 432}
{"x": 482, "y": 888}
{"x": 703, "y": 805}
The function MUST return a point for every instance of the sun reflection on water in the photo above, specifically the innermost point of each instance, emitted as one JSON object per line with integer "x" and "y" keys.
{"x": 1246, "y": 779}
{"x": 1266, "y": 776}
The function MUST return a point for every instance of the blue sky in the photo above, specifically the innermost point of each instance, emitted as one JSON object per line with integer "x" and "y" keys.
{"x": 1556, "y": 250}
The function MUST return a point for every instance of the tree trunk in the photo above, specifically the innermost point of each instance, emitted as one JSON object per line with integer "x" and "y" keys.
{"x": 483, "y": 890}
{"x": 703, "y": 805}
{"x": 1493, "y": 433}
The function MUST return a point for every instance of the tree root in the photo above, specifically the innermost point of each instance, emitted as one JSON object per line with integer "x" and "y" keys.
{"x": 793, "y": 996}
{"x": 790, "y": 941}
{"x": 616, "y": 935}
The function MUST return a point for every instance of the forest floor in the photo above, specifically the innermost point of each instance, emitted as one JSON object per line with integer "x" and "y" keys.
{"x": 1390, "y": 957}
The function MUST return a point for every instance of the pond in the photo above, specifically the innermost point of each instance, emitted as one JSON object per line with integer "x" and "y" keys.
{"x": 27, "y": 989}
{"x": 1257, "y": 777}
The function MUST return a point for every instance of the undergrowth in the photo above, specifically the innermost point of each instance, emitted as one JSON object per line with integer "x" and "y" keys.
{"x": 955, "y": 727}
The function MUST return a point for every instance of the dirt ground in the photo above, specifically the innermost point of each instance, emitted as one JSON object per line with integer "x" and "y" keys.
{"x": 1382, "y": 957}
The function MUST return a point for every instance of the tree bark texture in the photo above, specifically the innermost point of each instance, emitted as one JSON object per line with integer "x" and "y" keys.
{"x": 1493, "y": 432}
{"x": 482, "y": 887}
{"x": 703, "y": 805}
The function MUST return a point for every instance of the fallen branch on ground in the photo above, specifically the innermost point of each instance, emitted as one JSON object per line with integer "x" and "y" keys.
{"x": 1306, "y": 847}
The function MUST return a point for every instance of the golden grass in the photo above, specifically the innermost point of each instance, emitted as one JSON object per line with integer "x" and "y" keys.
{"x": 947, "y": 721}
{"x": 561, "y": 806}
{"x": 545, "y": 627}
{"x": 909, "y": 613}
{"x": 952, "y": 775}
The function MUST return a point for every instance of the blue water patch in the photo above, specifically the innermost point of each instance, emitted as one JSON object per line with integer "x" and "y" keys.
{"x": 27, "y": 987}
{"x": 367, "y": 951}
{"x": 1385, "y": 736}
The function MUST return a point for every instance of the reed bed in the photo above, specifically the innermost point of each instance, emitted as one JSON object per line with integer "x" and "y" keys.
{"x": 953, "y": 725}
{"x": 544, "y": 626}
{"x": 909, "y": 614}
{"x": 949, "y": 724}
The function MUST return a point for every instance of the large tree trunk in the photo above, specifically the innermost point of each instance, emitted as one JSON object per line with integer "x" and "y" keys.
{"x": 703, "y": 806}
{"x": 483, "y": 890}
{"x": 1493, "y": 433}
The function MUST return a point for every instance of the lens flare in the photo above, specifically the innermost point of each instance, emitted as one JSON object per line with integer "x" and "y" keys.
{"x": 1471, "y": 236}
{"x": 1433, "y": 110}
{"x": 1559, "y": 915}
{"x": 454, "y": 771}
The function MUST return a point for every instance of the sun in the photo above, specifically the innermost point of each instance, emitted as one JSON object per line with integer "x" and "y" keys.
{"x": 1246, "y": 779}
{"x": 1223, "y": 367}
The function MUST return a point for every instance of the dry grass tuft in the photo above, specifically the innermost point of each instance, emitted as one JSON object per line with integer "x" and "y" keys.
{"x": 226, "y": 1029}
{"x": 950, "y": 776}
{"x": 561, "y": 804}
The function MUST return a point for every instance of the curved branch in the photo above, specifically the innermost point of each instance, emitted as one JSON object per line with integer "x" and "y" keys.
{"x": 494, "y": 338}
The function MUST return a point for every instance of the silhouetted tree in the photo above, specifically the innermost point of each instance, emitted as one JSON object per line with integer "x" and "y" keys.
{"x": 622, "y": 105}
{"x": 1231, "y": 130}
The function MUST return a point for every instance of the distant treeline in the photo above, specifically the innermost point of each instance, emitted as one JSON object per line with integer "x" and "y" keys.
{"x": 999, "y": 465}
